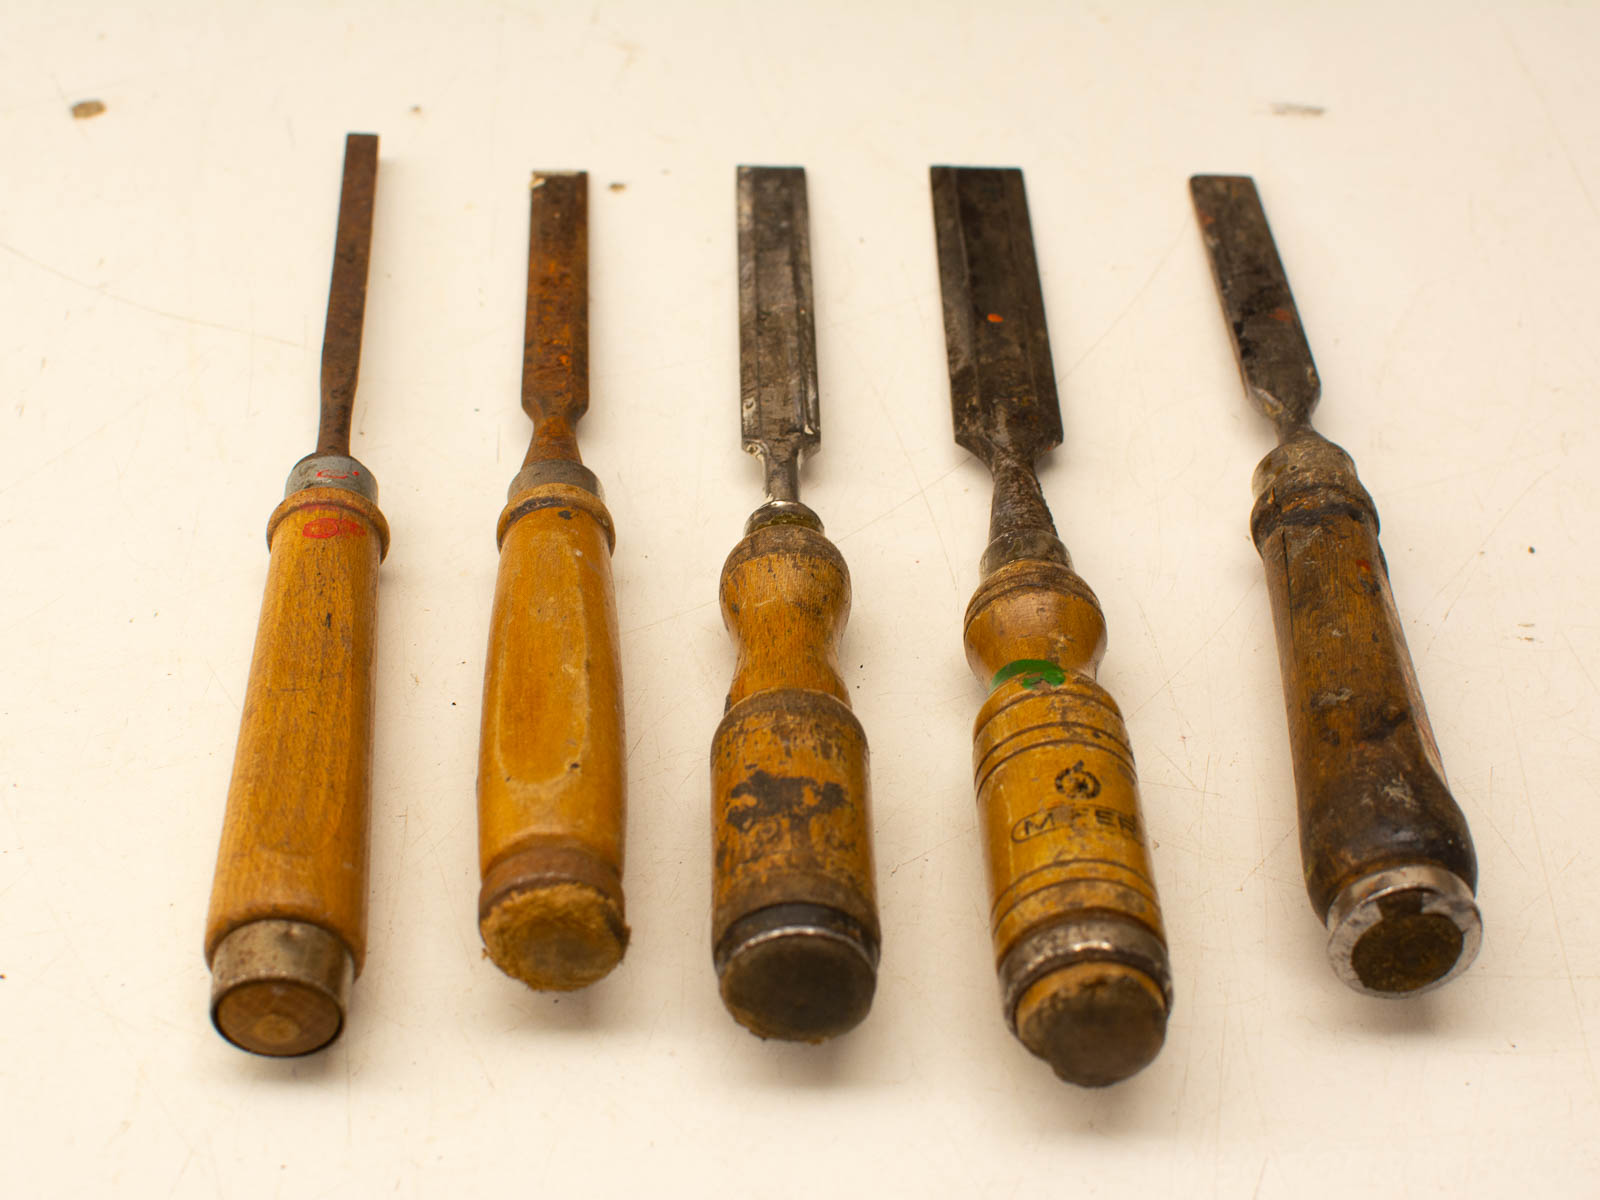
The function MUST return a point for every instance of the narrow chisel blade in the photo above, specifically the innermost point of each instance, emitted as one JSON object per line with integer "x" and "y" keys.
{"x": 1268, "y": 340}
{"x": 777, "y": 338}
{"x": 555, "y": 341}
{"x": 1002, "y": 382}
{"x": 347, "y": 292}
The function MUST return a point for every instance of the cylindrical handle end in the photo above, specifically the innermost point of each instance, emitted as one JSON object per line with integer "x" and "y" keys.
{"x": 280, "y": 988}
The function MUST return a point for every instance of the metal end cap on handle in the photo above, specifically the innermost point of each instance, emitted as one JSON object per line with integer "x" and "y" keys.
{"x": 280, "y": 988}
{"x": 1091, "y": 997}
{"x": 797, "y": 972}
{"x": 1403, "y": 931}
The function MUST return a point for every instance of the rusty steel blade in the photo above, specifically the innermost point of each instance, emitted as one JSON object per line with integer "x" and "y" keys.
{"x": 777, "y": 338}
{"x": 555, "y": 343}
{"x": 347, "y": 292}
{"x": 1263, "y": 323}
{"x": 1002, "y": 383}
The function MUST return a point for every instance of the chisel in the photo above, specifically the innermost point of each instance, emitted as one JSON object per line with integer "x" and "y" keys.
{"x": 1078, "y": 940}
{"x": 1388, "y": 859}
{"x": 550, "y": 757}
{"x": 794, "y": 910}
{"x": 287, "y": 930}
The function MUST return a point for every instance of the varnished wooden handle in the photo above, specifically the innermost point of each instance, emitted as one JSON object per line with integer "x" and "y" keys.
{"x": 794, "y": 917}
{"x": 551, "y": 807}
{"x": 294, "y": 839}
{"x": 1371, "y": 787}
{"x": 1078, "y": 938}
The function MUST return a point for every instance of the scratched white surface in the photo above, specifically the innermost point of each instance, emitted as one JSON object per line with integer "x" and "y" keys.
{"x": 162, "y": 277}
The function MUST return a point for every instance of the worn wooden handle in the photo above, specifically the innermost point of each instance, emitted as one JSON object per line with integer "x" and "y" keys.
{"x": 294, "y": 839}
{"x": 1372, "y": 794}
{"x": 1078, "y": 938}
{"x": 794, "y": 918}
{"x": 551, "y": 807}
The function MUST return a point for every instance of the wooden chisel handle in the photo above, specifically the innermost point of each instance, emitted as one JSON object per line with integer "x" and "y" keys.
{"x": 287, "y": 930}
{"x": 1078, "y": 939}
{"x": 794, "y": 909}
{"x": 1388, "y": 859}
{"x": 551, "y": 803}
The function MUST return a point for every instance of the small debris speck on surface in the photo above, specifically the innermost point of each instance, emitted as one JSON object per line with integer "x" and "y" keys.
{"x": 84, "y": 109}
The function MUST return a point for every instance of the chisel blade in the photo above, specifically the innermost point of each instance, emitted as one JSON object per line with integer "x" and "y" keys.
{"x": 347, "y": 292}
{"x": 1263, "y": 323}
{"x": 1002, "y": 382}
{"x": 555, "y": 341}
{"x": 777, "y": 337}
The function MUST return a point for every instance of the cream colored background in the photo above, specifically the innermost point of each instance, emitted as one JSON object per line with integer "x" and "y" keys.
{"x": 162, "y": 276}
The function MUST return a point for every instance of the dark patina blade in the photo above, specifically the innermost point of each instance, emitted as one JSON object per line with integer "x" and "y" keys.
{"x": 555, "y": 342}
{"x": 1268, "y": 340}
{"x": 1002, "y": 382}
{"x": 777, "y": 337}
{"x": 347, "y": 292}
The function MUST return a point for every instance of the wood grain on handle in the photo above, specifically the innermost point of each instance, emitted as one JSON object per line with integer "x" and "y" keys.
{"x": 1057, "y": 794}
{"x": 1078, "y": 937}
{"x": 791, "y": 823}
{"x": 294, "y": 838}
{"x": 551, "y": 786}
{"x": 1370, "y": 784}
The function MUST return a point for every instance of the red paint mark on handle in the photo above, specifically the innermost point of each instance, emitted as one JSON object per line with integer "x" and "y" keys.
{"x": 1364, "y": 564}
{"x": 995, "y": 318}
{"x": 327, "y": 474}
{"x": 331, "y": 526}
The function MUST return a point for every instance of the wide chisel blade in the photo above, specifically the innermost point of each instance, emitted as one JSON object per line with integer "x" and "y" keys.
{"x": 777, "y": 337}
{"x": 1268, "y": 340}
{"x": 1002, "y": 383}
{"x": 1084, "y": 978}
{"x": 347, "y": 292}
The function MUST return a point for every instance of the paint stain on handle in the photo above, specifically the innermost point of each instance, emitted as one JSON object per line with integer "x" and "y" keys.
{"x": 333, "y": 525}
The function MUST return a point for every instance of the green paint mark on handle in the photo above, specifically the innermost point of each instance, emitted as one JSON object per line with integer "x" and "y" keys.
{"x": 1034, "y": 671}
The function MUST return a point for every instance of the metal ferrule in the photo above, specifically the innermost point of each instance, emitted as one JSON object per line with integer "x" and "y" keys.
{"x": 1093, "y": 939}
{"x": 1020, "y": 544}
{"x": 794, "y": 920}
{"x": 782, "y": 512}
{"x": 555, "y": 470}
{"x": 331, "y": 471}
{"x": 1435, "y": 892}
